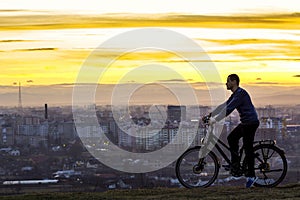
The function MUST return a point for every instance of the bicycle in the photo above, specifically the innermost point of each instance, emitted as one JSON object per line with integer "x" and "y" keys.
{"x": 193, "y": 171}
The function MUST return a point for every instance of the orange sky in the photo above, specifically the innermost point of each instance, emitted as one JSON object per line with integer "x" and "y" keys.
{"x": 52, "y": 53}
{"x": 40, "y": 47}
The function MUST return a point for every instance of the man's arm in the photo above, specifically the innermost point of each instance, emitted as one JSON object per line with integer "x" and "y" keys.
{"x": 232, "y": 103}
{"x": 218, "y": 109}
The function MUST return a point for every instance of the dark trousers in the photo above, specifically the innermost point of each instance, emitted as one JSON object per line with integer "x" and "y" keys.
{"x": 247, "y": 132}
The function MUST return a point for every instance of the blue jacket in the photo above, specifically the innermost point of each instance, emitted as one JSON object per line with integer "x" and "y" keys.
{"x": 241, "y": 101}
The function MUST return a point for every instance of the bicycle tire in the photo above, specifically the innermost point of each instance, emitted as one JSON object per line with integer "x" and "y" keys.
{"x": 187, "y": 173}
{"x": 270, "y": 165}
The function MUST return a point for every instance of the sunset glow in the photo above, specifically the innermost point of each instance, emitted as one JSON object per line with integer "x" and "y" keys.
{"x": 44, "y": 43}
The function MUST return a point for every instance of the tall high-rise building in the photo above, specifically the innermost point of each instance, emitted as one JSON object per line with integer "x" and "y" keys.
{"x": 176, "y": 113}
{"x": 20, "y": 108}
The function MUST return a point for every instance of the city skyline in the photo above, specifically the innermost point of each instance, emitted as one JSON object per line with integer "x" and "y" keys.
{"x": 44, "y": 44}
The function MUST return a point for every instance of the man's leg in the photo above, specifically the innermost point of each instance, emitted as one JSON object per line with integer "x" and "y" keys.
{"x": 233, "y": 141}
{"x": 248, "y": 138}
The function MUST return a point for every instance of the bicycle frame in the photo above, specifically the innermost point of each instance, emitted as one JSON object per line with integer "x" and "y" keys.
{"x": 218, "y": 147}
{"x": 220, "y": 150}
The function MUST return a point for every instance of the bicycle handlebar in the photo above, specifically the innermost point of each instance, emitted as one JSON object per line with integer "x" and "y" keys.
{"x": 205, "y": 119}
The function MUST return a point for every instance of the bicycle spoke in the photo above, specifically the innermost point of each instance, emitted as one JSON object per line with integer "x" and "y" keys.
{"x": 268, "y": 157}
{"x": 259, "y": 159}
{"x": 273, "y": 170}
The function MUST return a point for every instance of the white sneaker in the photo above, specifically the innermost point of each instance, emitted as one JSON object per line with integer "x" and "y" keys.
{"x": 251, "y": 181}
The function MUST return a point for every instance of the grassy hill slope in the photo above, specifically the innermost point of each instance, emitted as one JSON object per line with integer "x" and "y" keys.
{"x": 291, "y": 191}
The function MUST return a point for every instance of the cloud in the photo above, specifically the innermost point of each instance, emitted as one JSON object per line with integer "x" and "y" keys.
{"x": 258, "y": 79}
{"x": 8, "y": 41}
{"x": 40, "y": 21}
{"x": 266, "y": 83}
{"x": 239, "y": 50}
{"x": 251, "y": 41}
{"x": 173, "y": 80}
{"x": 63, "y": 84}
{"x": 11, "y": 10}
{"x": 139, "y": 55}
{"x": 297, "y": 76}
{"x": 12, "y": 41}
{"x": 38, "y": 49}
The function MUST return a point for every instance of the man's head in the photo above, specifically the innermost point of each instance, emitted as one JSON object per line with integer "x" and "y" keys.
{"x": 233, "y": 81}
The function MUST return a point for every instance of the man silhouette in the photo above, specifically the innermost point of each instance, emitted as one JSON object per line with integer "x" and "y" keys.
{"x": 241, "y": 101}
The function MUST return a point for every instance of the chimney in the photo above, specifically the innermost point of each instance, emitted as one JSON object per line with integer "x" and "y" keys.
{"x": 46, "y": 111}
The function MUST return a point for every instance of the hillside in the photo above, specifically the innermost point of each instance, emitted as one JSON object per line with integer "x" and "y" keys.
{"x": 291, "y": 191}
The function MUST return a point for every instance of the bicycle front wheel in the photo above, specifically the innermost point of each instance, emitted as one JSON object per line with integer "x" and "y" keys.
{"x": 270, "y": 165}
{"x": 193, "y": 172}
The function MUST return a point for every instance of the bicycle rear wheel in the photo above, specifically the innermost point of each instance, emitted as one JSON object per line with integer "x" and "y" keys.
{"x": 270, "y": 165}
{"x": 193, "y": 172}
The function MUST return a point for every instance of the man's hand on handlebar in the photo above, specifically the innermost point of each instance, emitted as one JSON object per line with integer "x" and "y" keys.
{"x": 212, "y": 121}
{"x": 207, "y": 119}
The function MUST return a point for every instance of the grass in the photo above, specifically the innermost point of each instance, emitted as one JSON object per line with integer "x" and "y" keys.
{"x": 291, "y": 191}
